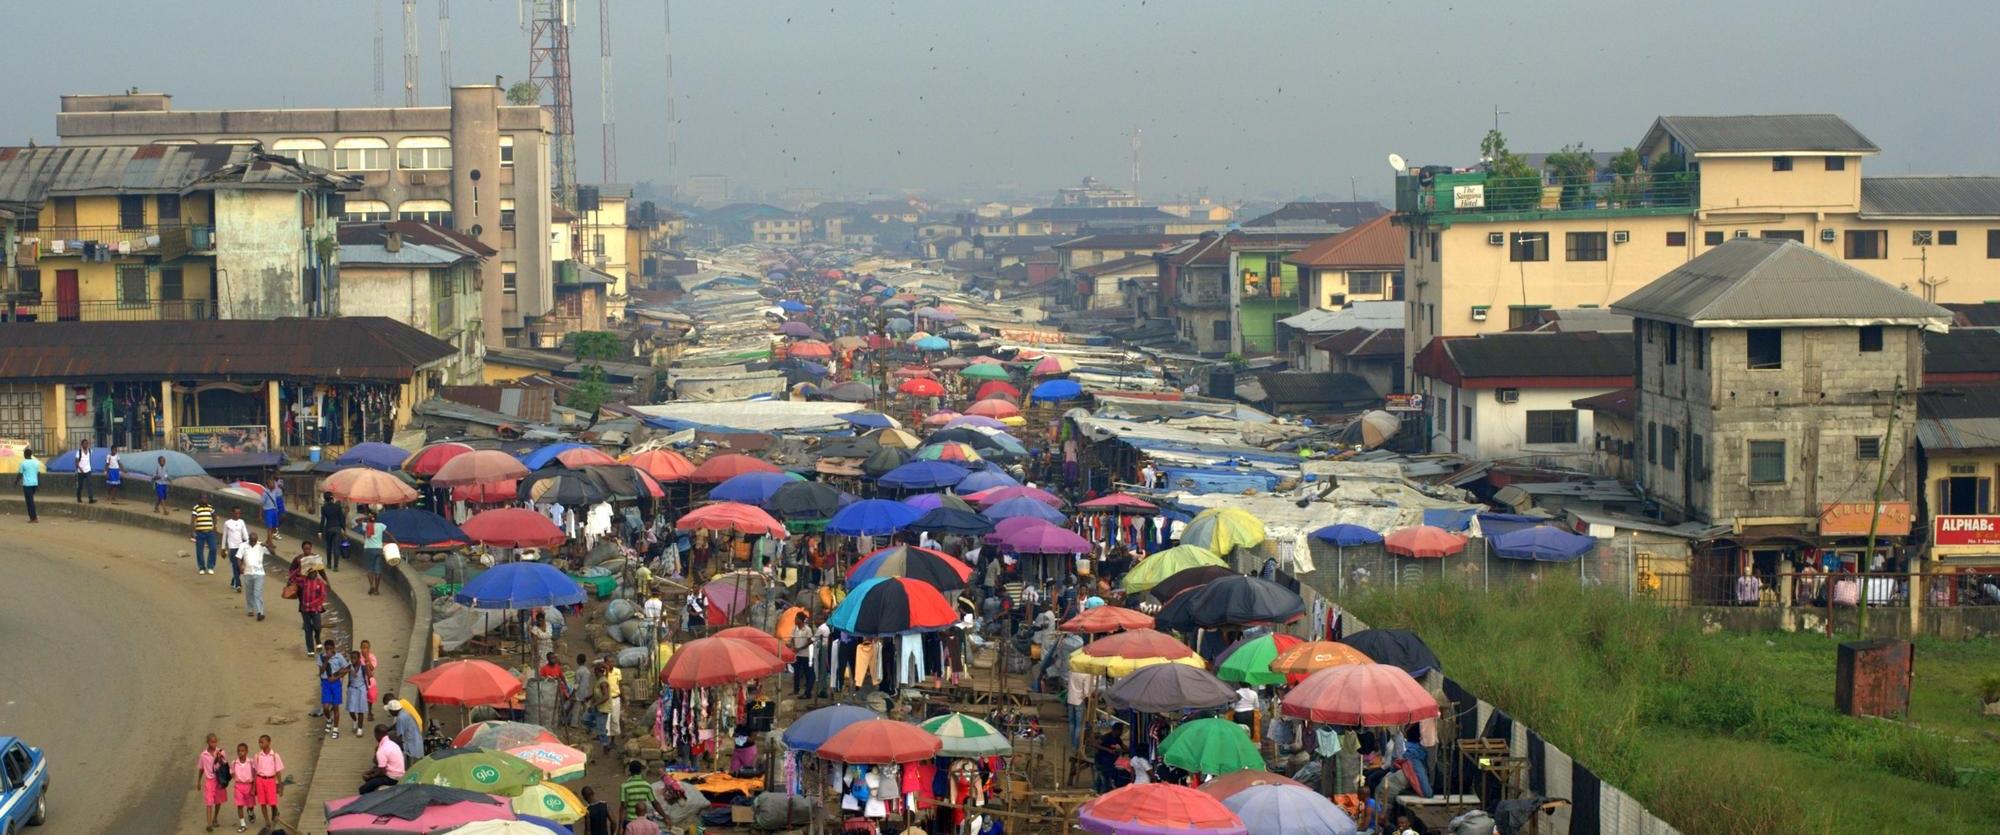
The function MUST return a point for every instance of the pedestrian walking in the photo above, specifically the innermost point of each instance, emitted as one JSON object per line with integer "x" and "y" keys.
{"x": 312, "y": 602}
{"x": 202, "y": 520}
{"x": 333, "y": 669}
{"x": 243, "y": 785}
{"x": 269, "y": 769}
{"x": 212, "y": 776}
{"x": 373, "y": 535}
{"x": 160, "y": 486}
{"x": 354, "y": 693}
{"x": 84, "y": 487}
{"x": 274, "y": 508}
{"x": 251, "y": 561}
{"x": 367, "y": 662}
{"x": 114, "y": 474}
{"x": 235, "y": 535}
{"x": 31, "y": 479}
{"x": 332, "y": 528}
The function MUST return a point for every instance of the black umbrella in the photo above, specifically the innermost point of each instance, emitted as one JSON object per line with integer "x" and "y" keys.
{"x": 1232, "y": 601}
{"x": 1170, "y": 688}
{"x": 1396, "y": 648}
{"x": 619, "y": 480}
{"x": 1189, "y": 578}
{"x": 407, "y": 801}
{"x": 805, "y": 500}
{"x": 560, "y": 485}
{"x": 965, "y": 435}
{"x": 952, "y": 520}
{"x": 851, "y": 392}
{"x": 853, "y": 448}
{"x": 884, "y": 460}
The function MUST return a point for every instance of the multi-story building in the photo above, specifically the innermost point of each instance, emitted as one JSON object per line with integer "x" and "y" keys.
{"x": 478, "y": 166}
{"x": 707, "y": 190}
{"x": 1774, "y": 383}
{"x": 1484, "y": 252}
{"x": 758, "y": 223}
{"x": 1362, "y": 264}
{"x": 1509, "y": 396}
{"x": 651, "y": 232}
{"x": 1093, "y": 193}
{"x": 423, "y": 276}
{"x": 1228, "y": 291}
{"x": 600, "y": 239}
{"x": 168, "y": 232}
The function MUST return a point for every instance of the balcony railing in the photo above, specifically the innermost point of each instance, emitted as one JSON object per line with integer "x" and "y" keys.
{"x": 168, "y": 241}
{"x": 1478, "y": 195}
{"x": 47, "y": 310}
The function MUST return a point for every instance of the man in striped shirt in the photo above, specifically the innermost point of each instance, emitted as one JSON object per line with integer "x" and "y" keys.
{"x": 203, "y": 520}
{"x": 636, "y": 799}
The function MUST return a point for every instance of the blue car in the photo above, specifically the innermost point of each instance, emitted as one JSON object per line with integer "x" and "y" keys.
{"x": 24, "y": 786}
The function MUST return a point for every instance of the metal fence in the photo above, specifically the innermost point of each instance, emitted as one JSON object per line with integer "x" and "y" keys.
{"x": 47, "y": 310}
{"x": 1341, "y": 571}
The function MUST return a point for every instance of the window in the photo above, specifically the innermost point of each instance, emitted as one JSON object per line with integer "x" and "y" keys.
{"x": 29, "y": 221}
{"x": 1670, "y": 448}
{"x": 506, "y": 213}
{"x": 1697, "y": 459}
{"x": 30, "y": 282}
{"x": 1962, "y": 495}
{"x": 367, "y": 211}
{"x": 361, "y": 153}
{"x": 1836, "y": 163}
{"x": 423, "y": 153}
{"x": 1867, "y": 244}
{"x": 171, "y": 289}
{"x": 169, "y": 208}
{"x": 1411, "y": 241}
{"x": 1993, "y": 243}
{"x": 597, "y": 248}
{"x": 506, "y": 152}
{"x": 434, "y": 212}
{"x": 1437, "y": 247}
{"x": 1712, "y": 238}
{"x": 1465, "y": 425}
{"x": 1767, "y": 462}
{"x": 1868, "y": 448}
{"x": 1585, "y": 246}
{"x": 1700, "y": 348}
{"x": 1552, "y": 426}
{"x": 1871, "y": 338}
{"x": 1359, "y": 283}
{"x": 1524, "y": 315}
{"x": 1221, "y": 329}
{"x": 1781, "y": 163}
{"x": 1677, "y": 239}
{"x": 131, "y": 211}
{"x": 1528, "y": 246}
{"x": 1671, "y": 354}
{"x": 308, "y": 151}
{"x": 509, "y": 278}
{"x": 1652, "y": 442}
{"x": 1797, "y": 235}
{"x": 1920, "y": 237}
{"x": 132, "y": 286}
{"x": 1947, "y": 237}
{"x": 1766, "y": 347}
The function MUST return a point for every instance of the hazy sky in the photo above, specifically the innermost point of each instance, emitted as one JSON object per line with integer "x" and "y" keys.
{"x": 1254, "y": 97}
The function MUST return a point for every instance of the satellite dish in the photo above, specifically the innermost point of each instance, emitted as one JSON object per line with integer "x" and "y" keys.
{"x": 1396, "y": 162}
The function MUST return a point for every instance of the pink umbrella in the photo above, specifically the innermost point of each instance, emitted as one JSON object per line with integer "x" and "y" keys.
{"x": 997, "y": 495}
{"x": 1423, "y": 541}
{"x": 433, "y": 818}
{"x": 1370, "y": 695}
{"x": 1120, "y": 502}
{"x": 1010, "y": 526}
{"x": 585, "y": 457}
{"x": 942, "y": 418}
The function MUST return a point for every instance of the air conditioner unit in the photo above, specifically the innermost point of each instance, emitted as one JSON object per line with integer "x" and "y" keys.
{"x": 1743, "y": 233}
{"x": 1507, "y": 395}
{"x": 1828, "y": 236}
{"x": 1621, "y": 237}
{"x": 1479, "y": 313}
{"x": 1496, "y": 239}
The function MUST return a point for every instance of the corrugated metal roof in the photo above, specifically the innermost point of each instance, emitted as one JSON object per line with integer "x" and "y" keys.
{"x": 1962, "y": 351}
{"x": 358, "y": 347}
{"x": 1785, "y": 132}
{"x": 1580, "y": 354}
{"x": 1944, "y": 196}
{"x": 1371, "y": 314}
{"x": 411, "y": 255}
{"x": 1757, "y": 280}
{"x": 1374, "y": 244}
{"x": 31, "y": 175}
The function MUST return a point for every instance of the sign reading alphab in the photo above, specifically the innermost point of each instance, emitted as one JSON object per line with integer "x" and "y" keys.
{"x": 1965, "y": 531}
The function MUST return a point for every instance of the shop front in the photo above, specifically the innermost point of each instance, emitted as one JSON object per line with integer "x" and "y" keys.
{"x": 1964, "y": 564}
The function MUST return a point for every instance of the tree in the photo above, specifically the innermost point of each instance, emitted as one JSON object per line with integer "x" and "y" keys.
{"x": 523, "y": 93}
{"x": 593, "y": 348}
{"x": 1574, "y": 169}
{"x": 1630, "y": 187}
{"x": 1511, "y": 185}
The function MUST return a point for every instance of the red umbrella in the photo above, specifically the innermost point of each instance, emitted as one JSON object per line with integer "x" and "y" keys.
{"x": 992, "y": 388}
{"x": 513, "y": 527}
{"x": 921, "y": 387}
{"x": 1158, "y": 809}
{"x": 1369, "y": 695}
{"x": 580, "y": 457}
{"x": 713, "y": 661}
{"x": 763, "y": 640}
{"x": 724, "y": 467}
{"x": 663, "y": 465}
{"x": 731, "y": 516}
{"x": 880, "y": 742}
{"x": 1423, "y": 541}
{"x": 997, "y": 495}
{"x": 1144, "y": 642}
{"x": 993, "y": 408}
{"x": 1120, "y": 502}
{"x": 1108, "y": 619}
{"x": 480, "y": 466}
{"x": 490, "y": 493}
{"x": 467, "y": 683}
{"x": 811, "y": 349}
{"x": 427, "y": 460}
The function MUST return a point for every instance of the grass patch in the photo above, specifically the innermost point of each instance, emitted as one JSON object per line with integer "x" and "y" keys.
{"x": 1726, "y": 733}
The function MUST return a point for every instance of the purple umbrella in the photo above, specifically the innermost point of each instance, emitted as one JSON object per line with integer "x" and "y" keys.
{"x": 925, "y": 501}
{"x": 975, "y": 420}
{"x": 1023, "y": 506}
{"x": 986, "y": 479}
{"x": 798, "y": 329}
{"x": 1043, "y": 539}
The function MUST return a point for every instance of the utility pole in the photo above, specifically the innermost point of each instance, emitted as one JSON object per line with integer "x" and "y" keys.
{"x": 1135, "y": 161}
{"x": 673, "y": 129}
{"x": 1497, "y": 113}
{"x": 1875, "y": 514}
{"x": 410, "y": 50}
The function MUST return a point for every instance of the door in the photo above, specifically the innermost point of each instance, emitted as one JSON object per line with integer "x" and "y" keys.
{"x": 69, "y": 303}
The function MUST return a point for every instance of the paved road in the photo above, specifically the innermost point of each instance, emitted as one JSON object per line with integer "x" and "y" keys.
{"x": 117, "y": 659}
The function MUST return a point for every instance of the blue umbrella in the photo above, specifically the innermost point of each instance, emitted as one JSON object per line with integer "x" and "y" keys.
{"x": 953, "y": 520}
{"x": 1543, "y": 544}
{"x": 520, "y": 585}
{"x": 807, "y": 367}
{"x": 870, "y": 420}
{"x": 790, "y": 306}
{"x": 544, "y": 456}
{"x": 933, "y": 343}
{"x": 898, "y": 325}
{"x": 1273, "y": 809}
{"x": 1056, "y": 390}
{"x": 66, "y": 462}
{"x": 814, "y": 727}
{"x": 1346, "y": 536}
{"x": 751, "y": 488}
{"x": 145, "y": 462}
{"x": 373, "y": 455}
{"x": 987, "y": 479}
{"x": 872, "y": 517}
{"x": 922, "y": 474}
{"x": 1024, "y": 506}
{"x": 422, "y": 528}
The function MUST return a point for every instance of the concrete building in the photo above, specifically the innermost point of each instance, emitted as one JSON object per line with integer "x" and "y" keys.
{"x": 1483, "y": 253}
{"x": 707, "y": 190}
{"x": 1773, "y": 383}
{"x": 478, "y": 166}
{"x": 1364, "y": 263}
{"x": 1093, "y": 193}
{"x": 1511, "y": 395}
{"x": 423, "y": 276}
{"x": 1227, "y": 291}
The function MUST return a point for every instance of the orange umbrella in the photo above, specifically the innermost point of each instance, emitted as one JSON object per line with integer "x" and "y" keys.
{"x": 1314, "y": 656}
{"x": 362, "y": 485}
{"x": 580, "y": 457}
{"x": 1368, "y": 695}
{"x": 663, "y": 465}
{"x": 513, "y": 527}
{"x": 763, "y": 640}
{"x": 1423, "y": 541}
{"x": 721, "y": 468}
{"x": 731, "y": 516}
{"x": 480, "y": 466}
{"x": 1222, "y": 787}
{"x": 811, "y": 348}
{"x": 467, "y": 683}
{"x": 994, "y": 388}
{"x": 1108, "y": 619}
{"x": 880, "y": 742}
{"x": 490, "y": 493}
{"x": 716, "y": 660}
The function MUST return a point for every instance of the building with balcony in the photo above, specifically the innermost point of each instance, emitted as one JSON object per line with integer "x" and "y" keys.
{"x": 1511, "y": 396}
{"x": 421, "y": 275}
{"x": 455, "y": 166}
{"x": 1362, "y": 264}
{"x": 1483, "y": 253}
{"x": 1227, "y": 291}
{"x": 168, "y": 232}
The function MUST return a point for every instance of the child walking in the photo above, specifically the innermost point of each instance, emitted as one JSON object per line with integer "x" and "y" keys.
{"x": 243, "y": 783}
{"x": 333, "y": 670}
{"x": 356, "y": 691}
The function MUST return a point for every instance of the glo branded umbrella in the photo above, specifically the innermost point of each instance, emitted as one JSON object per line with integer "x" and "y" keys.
{"x": 500, "y": 735}
{"x": 752, "y": 487}
{"x": 1170, "y": 688}
{"x": 480, "y": 466}
{"x": 411, "y": 807}
{"x": 1158, "y": 809}
{"x": 1310, "y": 657}
{"x": 923, "y": 475}
{"x": 715, "y": 661}
{"x": 921, "y": 387}
{"x": 731, "y": 516}
{"x": 1288, "y": 810}
{"x": 520, "y": 585}
{"x": 1423, "y": 541}
{"x": 426, "y": 461}
{"x": 721, "y": 468}
{"x": 1223, "y": 529}
{"x": 545, "y": 455}
{"x": 475, "y": 769}
{"x": 1102, "y": 619}
{"x": 988, "y": 498}
{"x": 1367, "y": 695}
{"x": 374, "y": 455}
{"x": 1397, "y": 648}
{"x": 985, "y": 371}
{"x": 872, "y": 517}
{"x": 663, "y": 465}
{"x": 967, "y": 736}
{"x": 805, "y": 500}
{"x": 365, "y": 486}
{"x": 993, "y": 408}
{"x": 1057, "y": 390}
{"x": 1156, "y": 568}
{"x": 952, "y": 520}
{"x": 1248, "y": 661}
{"x": 1232, "y": 601}
{"x": 1124, "y": 652}
{"x": 1023, "y": 506}
{"x": 413, "y": 528}
{"x": 513, "y": 527}
{"x": 943, "y": 571}
{"x": 1542, "y": 543}
{"x": 814, "y": 727}
{"x": 557, "y": 761}
{"x": 892, "y": 606}
{"x": 1222, "y": 787}
{"x": 987, "y": 479}
{"x": 1210, "y": 746}
{"x": 880, "y": 742}
{"x": 548, "y": 800}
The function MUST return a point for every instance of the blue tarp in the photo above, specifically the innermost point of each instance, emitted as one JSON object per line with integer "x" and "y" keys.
{"x": 1456, "y": 521}
{"x": 1219, "y": 480}
{"x": 1543, "y": 543}
{"x": 1495, "y": 524}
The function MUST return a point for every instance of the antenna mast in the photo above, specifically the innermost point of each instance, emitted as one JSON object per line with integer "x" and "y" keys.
{"x": 610, "y": 162}
{"x": 410, "y": 96}
{"x": 548, "y": 68}
{"x": 378, "y": 53}
{"x": 673, "y": 130}
{"x": 1135, "y": 161}
{"x": 444, "y": 47}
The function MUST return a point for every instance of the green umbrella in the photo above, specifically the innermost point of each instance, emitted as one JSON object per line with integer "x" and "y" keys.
{"x": 968, "y": 736}
{"x": 984, "y": 371}
{"x": 1158, "y": 567}
{"x": 1249, "y": 661}
{"x": 1211, "y": 746}
{"x": 475, "y": 769}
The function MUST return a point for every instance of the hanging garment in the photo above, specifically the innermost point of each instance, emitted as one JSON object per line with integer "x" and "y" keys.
{"x": 910, "y": 660}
